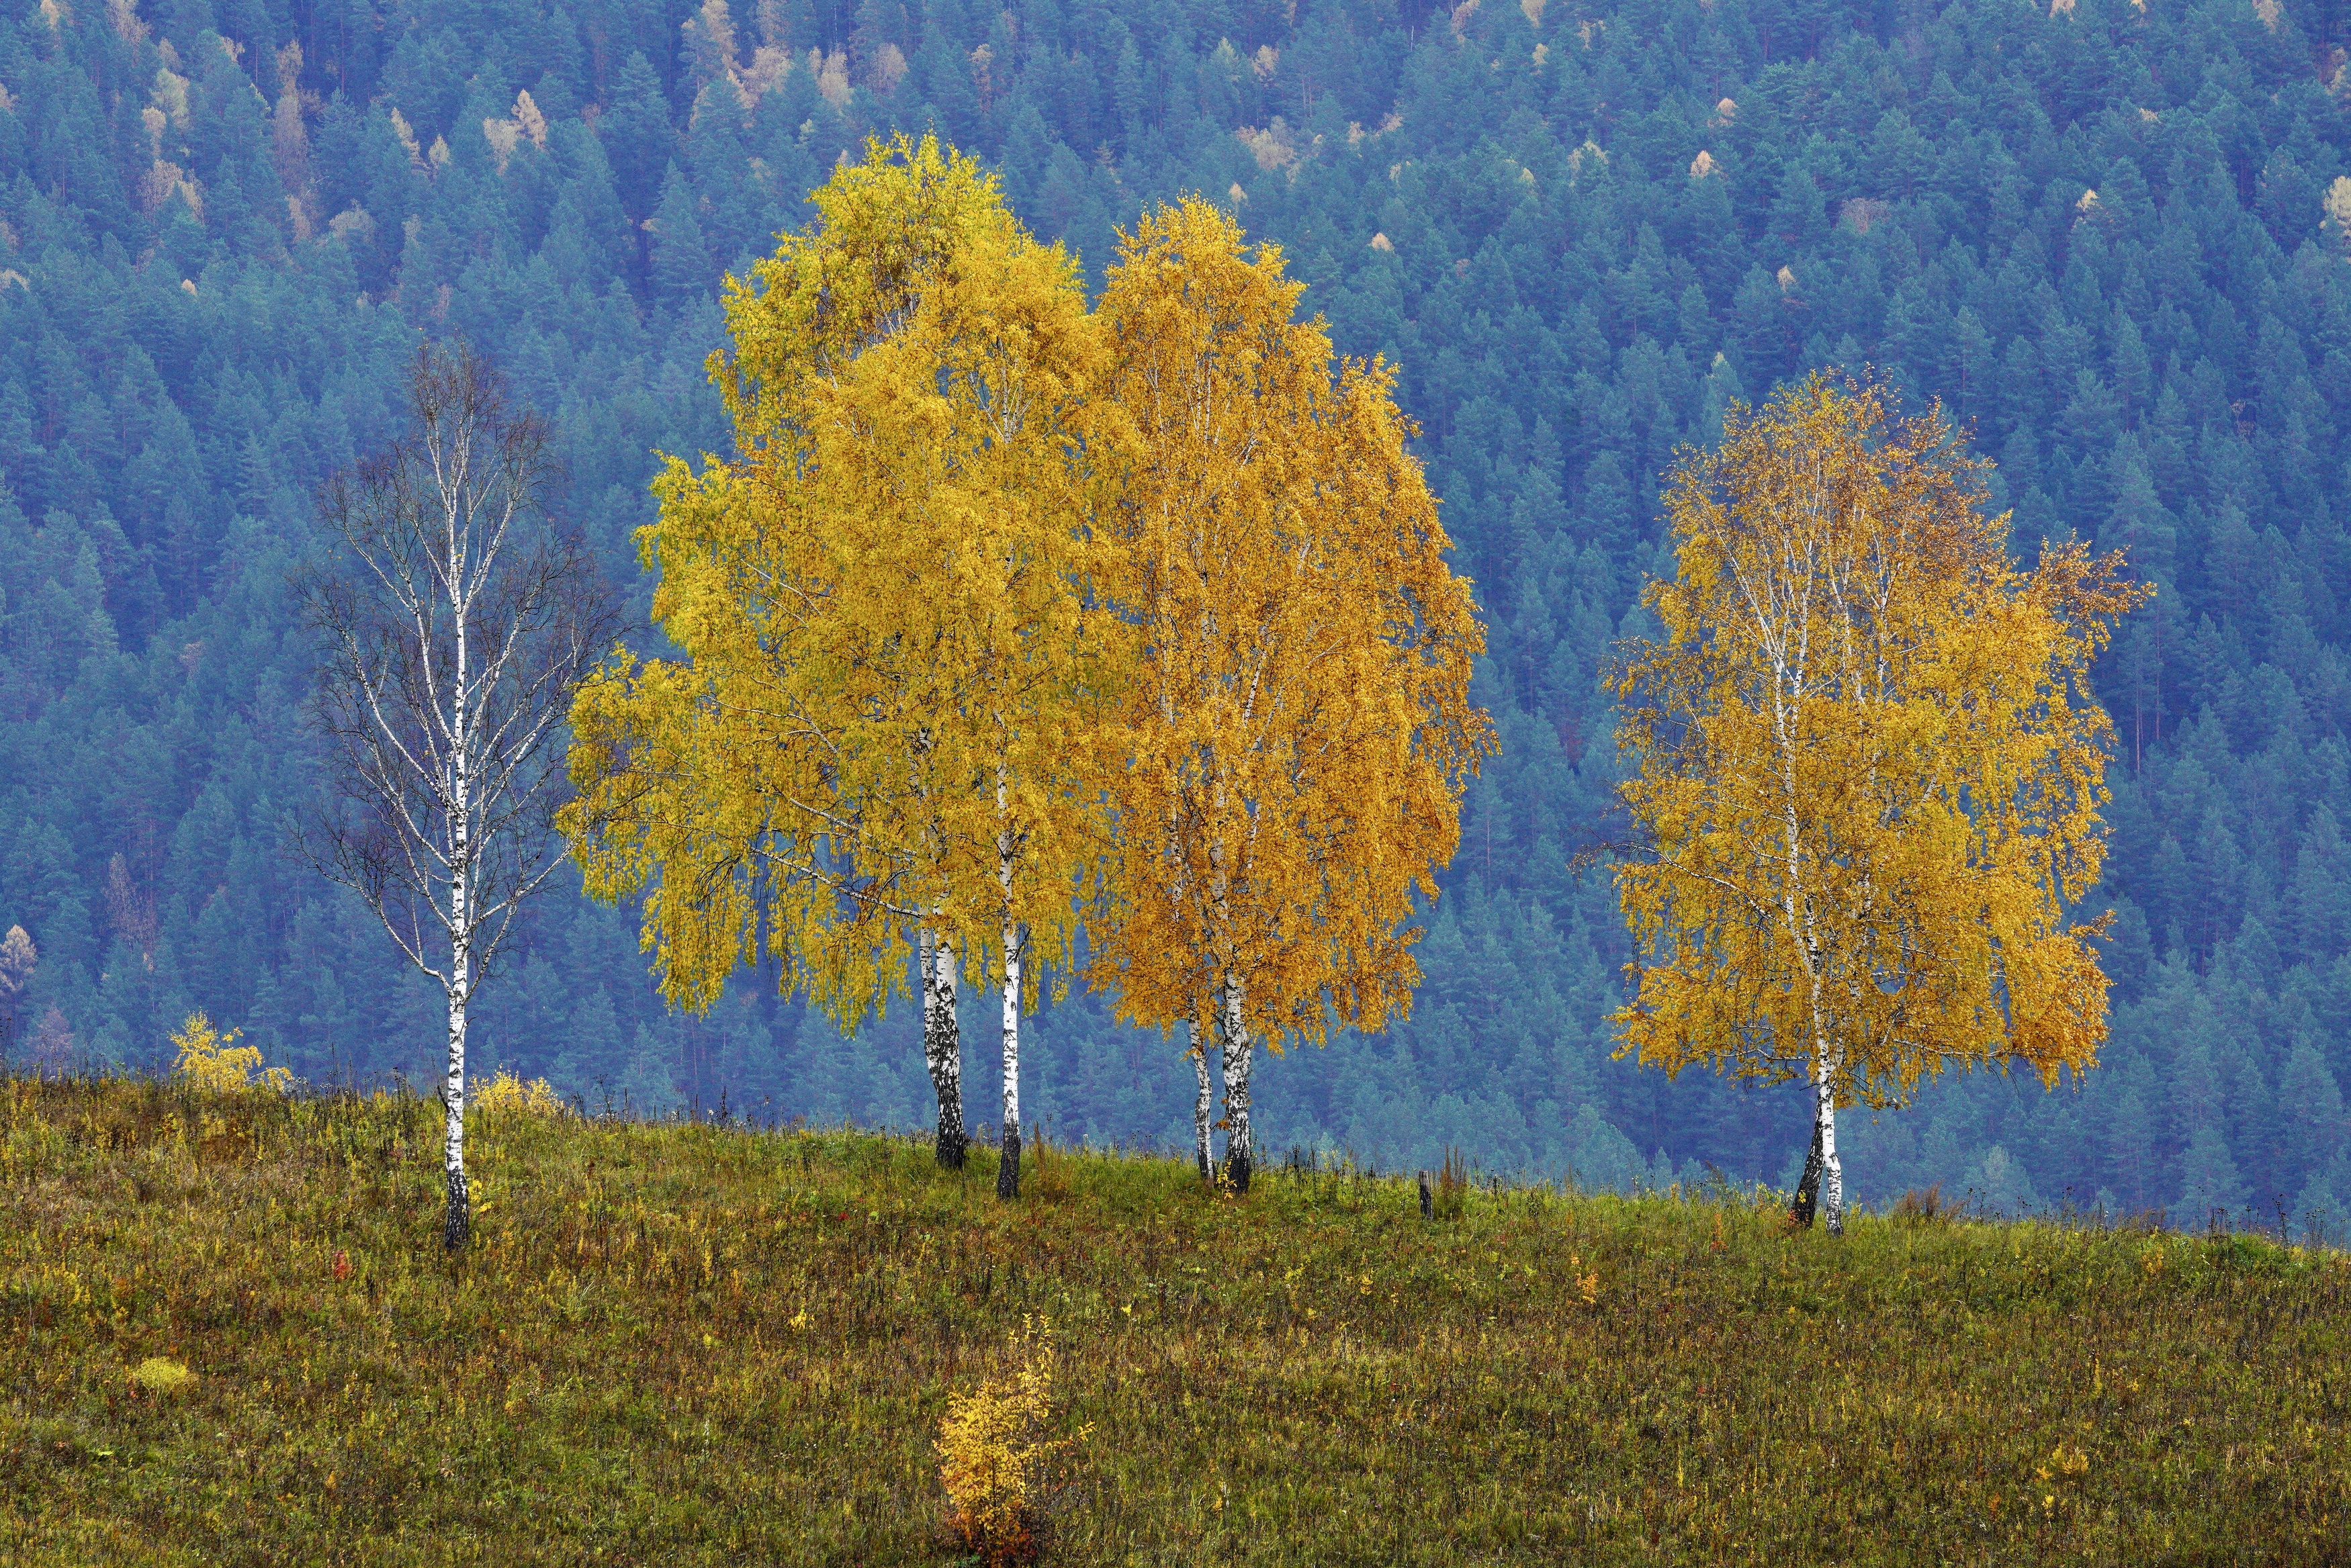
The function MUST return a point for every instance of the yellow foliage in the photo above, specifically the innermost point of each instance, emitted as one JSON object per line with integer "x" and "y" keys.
{"x": 1867, "y": 763}
{"x": 1289, "y": 765}
{"x": 210, "y": 1060}
{"x": 995, "y": 1460}
{"x": 506, "y": 1092}
{"x": 2062, "y": 1464}
{"x": 883, "y": 604}
{"x": 2338, "y": 200}
{"x": 160, "y": 1375}
{"x": 991, "y": 575}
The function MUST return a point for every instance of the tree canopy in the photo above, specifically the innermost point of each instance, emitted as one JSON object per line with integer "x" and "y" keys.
{"x": 1867, "y": 766}
{"x": 856, "y": 619}
{"x": 1288, "y": 769}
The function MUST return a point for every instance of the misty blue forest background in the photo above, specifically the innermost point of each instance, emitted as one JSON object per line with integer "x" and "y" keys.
{"x": 1579, "y": 230}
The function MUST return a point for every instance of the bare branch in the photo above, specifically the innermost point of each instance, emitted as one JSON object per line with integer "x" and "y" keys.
{"x": 453, "y": 623}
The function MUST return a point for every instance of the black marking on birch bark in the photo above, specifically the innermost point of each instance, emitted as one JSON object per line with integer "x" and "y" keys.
{"x": 1238, "y": 1055}
{"x": 943, "y": 1046}
{"x": 1808, "y": 1190}
{"x": 1201, "y": 1105}
{"x": 457, "y": 1223}
{"x": 1008, "y": 1169}
{"x": 951, "y": 1139}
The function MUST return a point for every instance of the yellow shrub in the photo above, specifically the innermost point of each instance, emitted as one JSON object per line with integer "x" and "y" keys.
{"x": 507, "y": 1093}
{"x": 160, "y": 1375}
{"x": 210, "y": 1060}
{"x": 996, "y": 1459}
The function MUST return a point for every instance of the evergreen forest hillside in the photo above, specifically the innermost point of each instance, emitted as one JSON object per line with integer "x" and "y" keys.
{"x": 2113, "y": 234}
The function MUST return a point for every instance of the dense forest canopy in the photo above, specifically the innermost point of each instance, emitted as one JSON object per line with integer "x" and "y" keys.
{"x": 2115, "y": 236}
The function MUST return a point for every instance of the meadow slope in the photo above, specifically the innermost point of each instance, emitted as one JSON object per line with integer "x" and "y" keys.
{"x": 680, "y": 1344}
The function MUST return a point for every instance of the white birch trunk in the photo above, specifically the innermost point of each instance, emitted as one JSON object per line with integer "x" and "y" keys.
{"x": 1201, "y": 1106}
{"x": 942, "y": 1043}
{"x": 1238, "y": 1151}
{"x": 1831, "y": 1172}
{"x": 1007, "y": 1170}
{"x": 1007, "y": 845}
{"x": 457, "y": 1221}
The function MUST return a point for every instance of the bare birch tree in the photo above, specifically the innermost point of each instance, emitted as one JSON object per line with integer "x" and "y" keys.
{"x": 454, "y": 623}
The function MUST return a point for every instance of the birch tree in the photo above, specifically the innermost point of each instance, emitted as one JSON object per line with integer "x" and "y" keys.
{"x": 972, "y": 462}
{"x": 779, "y": 787}
{"x": 890, "y": 634}
{"x": 1866, "y": 770}
{"x": 1290, "y": 756}
{"x": 453, "y": 623}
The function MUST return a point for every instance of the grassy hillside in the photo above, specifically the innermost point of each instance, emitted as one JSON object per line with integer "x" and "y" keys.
{"x": 682, "y": 1344}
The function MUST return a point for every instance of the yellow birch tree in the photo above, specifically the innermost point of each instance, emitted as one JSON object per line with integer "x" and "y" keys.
{"x": 989, "y": 461}
{"x": 1294, "y": 743}
{"x": 1866, "y": 769}
{"x": 884, "y": 608}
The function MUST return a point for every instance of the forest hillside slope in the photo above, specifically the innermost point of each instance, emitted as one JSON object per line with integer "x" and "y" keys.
{"x": 2114, "y": 237}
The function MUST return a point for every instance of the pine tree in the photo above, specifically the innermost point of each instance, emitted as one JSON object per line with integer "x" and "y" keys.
{"x": 2211, "y": 1192}
{"x": 635, "y": 130}
{"x": 681, "y": 267}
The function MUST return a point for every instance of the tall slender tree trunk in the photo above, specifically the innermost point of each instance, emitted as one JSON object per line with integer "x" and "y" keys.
{"x": 943, "y": 1042}
{"x": 1831, "y": 1168}
{"x": 1201, "y": 1107}
{"x": 1008, "y": 1169}
{"x": 1239, "y": 1153}
{"x": 1822, "y": 1187}
{"x": 457, "y": 1221}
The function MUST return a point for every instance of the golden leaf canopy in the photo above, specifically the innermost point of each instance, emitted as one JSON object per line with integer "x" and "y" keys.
{"x": 1866, "y": 763}
{"x": 884, "y": 605}
{"x": 1290, "y": 756}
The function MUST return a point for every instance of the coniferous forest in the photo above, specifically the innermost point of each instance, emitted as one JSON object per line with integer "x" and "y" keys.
{"x": 2112, "y": 236}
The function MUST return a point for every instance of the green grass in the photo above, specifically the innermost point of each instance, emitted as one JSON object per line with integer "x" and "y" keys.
{"x": 686, "y": 1345}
